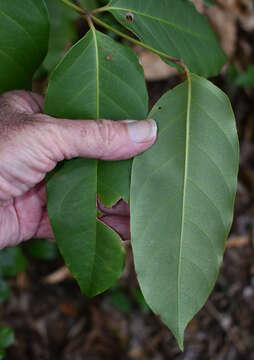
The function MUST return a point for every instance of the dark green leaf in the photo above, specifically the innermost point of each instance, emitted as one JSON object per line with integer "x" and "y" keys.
{"x": 114, "y": 181}
{"x": 63, "y": 32}
{"x": 81, "y": 87}
{"x": 120, "y": 301}
{"x": 109, "y": 19}
{"x": 246, "y": 78}
{"x": 42, "y": 249}
{"x": 92, "y": 251}
{"x": 182, "y": 199}
{"x": 175, "y": 28}
{"x": 208, "y": 2}
{"x": 6, "y": 337}
{"x": 4, "y": 291}
{"x": 2, "y": 354}
{"x": 12, "y": 261}
{"x": 139, "y": 297}
{"x": 24, "y": 33}
{"x": 89, "y": 4}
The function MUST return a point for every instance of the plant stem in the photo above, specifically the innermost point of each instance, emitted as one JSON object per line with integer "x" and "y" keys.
{"x": 74, "y": 7}
{"x": 90, "y": 18}
{"x": 101, "y": 9}
{"x": 140, "y": 43}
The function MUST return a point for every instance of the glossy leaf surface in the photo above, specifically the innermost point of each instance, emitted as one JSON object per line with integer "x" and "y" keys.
{"x": 24, "y": 33}
{"x": 175, "y": 28}
{"x": 90, "y": 83}
{"x": 182, "y": 199}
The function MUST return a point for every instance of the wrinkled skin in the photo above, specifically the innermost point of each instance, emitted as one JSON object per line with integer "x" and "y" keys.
{"x": 31, "y": 144}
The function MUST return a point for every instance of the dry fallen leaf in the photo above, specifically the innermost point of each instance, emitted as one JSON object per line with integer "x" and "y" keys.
{"x": 155, "y": 69}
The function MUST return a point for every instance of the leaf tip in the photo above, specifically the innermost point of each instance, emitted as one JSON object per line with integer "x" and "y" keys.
{"x": 180, "y": 343}
{"x": 179, "y": 336}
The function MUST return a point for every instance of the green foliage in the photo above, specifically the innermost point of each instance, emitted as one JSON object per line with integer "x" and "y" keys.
{"x": 139, "y": 297}
{"x": 208, "y": 2}
{"x": 4, "y": 291}
{"x": 42, "y": 249}
{"x": 193, "y": 168}
{"x": 6, "y": 338}
{"x": 246, "y": 78}
{"x": 24, "y": 32}
{"x": 63, "y": 33}
{"x": 176, "y": 29}
{"x": 104, "y": 60}
{"x": 89, "y": 247}
{"x": 120, "y": 301}
{"x": 89, "y": 4}
{"x": 12, "y": 261}
{"x": 182, "y": 189}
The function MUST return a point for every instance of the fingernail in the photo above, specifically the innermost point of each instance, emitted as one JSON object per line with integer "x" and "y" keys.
{"x": 142, "y": 131}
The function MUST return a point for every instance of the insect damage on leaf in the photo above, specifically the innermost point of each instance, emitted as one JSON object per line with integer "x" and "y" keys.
{"x": 129, "y": 16}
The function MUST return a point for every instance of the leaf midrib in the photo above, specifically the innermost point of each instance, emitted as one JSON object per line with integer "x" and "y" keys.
{"x": 186, "y": 160}
{"x": 97, "y": 74}
{"x": 97, "y": 117}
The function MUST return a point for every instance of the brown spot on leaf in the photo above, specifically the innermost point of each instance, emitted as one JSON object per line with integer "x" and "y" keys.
{"x": 109, "y": 57}
{"x": 129, "y": 16}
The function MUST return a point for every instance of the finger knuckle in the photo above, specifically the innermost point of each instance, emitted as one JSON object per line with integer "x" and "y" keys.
{"x": 105, "y": 133}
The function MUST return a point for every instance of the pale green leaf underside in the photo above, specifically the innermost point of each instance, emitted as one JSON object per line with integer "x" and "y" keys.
{"x": 175, "y": 28}
{"x": 90, "y": 83}
{"x": 24, "y": 33}
{"x": 182, "y": 198}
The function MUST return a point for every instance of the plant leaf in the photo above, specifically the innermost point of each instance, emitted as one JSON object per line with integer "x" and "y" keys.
{"x": 89, "y": 4}
{"x": 6, "y": 337}
{"x": 24, "y": 33}
{"x": 209, "y": 2}
{"x": 63, "y": 32}
{"x": 4, "y": 290}
{"x": 90, "y": 83}
{"x": 175, "y": 28}
{"x": 12, "y": 261}
{"x": 246, "y": 78}
{"x": 182, "y": 199}
{"x": 42, "y": 249}
{"x": 114, "y": 181}
{"x": 92, "y": 251}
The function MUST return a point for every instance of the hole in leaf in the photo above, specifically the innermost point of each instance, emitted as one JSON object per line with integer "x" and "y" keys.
{"x": 129, "y": 17}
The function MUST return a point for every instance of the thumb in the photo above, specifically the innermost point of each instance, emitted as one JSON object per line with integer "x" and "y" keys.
{"x": 104, "y": 139}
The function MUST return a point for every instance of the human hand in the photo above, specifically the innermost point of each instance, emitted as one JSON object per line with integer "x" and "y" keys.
{"x": 31, "y": 143}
